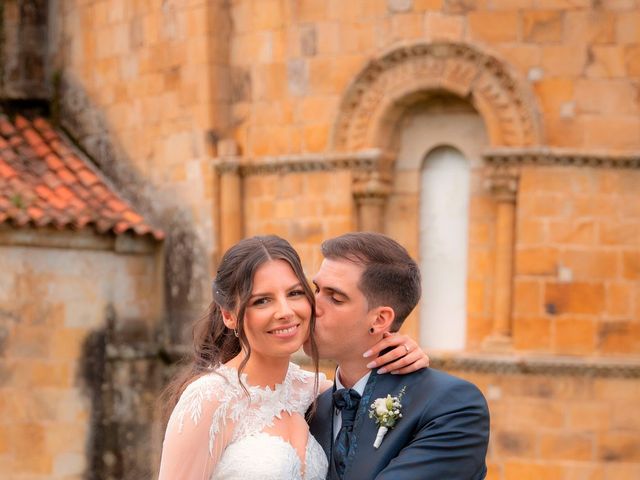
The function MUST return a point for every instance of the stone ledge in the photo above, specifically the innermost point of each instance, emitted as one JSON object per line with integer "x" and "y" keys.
{"x": 538, "y": 365}
{"x": 467, "y": 362}
{"x": 368, "y": 160}
{"x": 74, "y": 240}
{"x": 284, "y": 164}
{"x": 560, "y": 157}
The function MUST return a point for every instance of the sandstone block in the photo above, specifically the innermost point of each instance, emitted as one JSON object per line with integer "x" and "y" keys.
{"x": 310, "y": 10}
{"x": 612, "y": 132}
{"x": 515, "y": 469}
{"x": 527, "y": 297}
{"x": 606, "y": 61}
{"x": 566, "y": 446}
{"x": 618, "y": 446}
{"x": 500, "y": 26}
{"x": 542, "y": 26}
{"x": 407, "y": 25}
{"x": 574, "y": 336}
{"x": 576, "y": 297}
{"x": 532, "y": 333}
{"x": 438, "y": 26}
{"x": 577, "y": 232}
{"x": 619, "y": 337}
{"x": 554, "y": 92}
{"x": 536, "y": 261}
{"x": 515, "y": 443}
{"x": 584, "y": 27}
{"x": 563, "y": 60}
{"x": 589, "y": 416}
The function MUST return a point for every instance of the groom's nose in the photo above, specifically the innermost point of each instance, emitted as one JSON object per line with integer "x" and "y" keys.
{"x": 319, "y": 310}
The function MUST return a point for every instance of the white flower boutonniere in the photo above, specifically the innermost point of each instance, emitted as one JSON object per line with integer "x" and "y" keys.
{"x": 386, "y": 411}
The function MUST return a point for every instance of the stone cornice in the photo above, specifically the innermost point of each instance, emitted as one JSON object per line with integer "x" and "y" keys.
{"x": 560, "y": 157}
{"x": 534, "y": 365}
{"x": 75, "y": 240}
{"x": 375, "y": 160}
{"x": 366, "y": 160}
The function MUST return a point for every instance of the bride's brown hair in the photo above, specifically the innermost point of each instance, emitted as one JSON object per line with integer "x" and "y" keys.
{"x": 214, "y": 343}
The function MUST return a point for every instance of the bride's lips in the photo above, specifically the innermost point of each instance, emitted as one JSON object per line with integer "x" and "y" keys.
{"x": 285, "y": 331}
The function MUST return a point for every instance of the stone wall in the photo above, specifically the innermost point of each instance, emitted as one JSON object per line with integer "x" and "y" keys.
{"x": 62, "y": 393}
{"x": 578, "y": 261}
{"x": 564, "y": 422}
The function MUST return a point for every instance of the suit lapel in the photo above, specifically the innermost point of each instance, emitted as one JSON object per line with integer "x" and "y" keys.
{"x": 364, "y": 427}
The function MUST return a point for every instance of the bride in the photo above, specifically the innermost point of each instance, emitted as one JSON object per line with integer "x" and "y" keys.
{"x": 239, "y": 409}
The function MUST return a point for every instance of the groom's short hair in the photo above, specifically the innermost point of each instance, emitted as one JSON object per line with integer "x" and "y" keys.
{"x": 390, "y": 277}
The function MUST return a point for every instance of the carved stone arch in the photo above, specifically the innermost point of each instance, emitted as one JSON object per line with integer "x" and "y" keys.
{"x": 382, "y": 91}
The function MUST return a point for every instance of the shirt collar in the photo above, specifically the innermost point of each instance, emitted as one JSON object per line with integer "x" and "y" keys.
{"x": 358, "y": 386}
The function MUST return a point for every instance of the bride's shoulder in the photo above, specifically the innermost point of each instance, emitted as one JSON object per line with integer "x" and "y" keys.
{"x": 206, "y": 396}
{"x": 214, "y": 387}
{"x": 299, "y": 374}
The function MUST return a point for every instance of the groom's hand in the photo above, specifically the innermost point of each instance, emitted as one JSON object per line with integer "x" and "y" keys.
{"x": 406, "y": 357}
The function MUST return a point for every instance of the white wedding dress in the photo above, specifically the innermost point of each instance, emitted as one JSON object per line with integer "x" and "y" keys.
{"x": 218, "y": 432}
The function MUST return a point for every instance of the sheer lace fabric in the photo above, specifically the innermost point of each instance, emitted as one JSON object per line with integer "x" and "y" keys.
{"x": 218, "y": 432}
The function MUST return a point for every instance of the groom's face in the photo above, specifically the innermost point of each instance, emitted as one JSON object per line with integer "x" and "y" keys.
{"x": 341, "y": 311}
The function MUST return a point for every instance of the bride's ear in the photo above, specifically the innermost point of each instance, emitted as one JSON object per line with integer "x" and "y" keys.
{"x": 229, "y": 319}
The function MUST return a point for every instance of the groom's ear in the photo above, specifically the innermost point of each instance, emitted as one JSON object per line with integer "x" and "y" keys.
{"x": 383, "y": 319}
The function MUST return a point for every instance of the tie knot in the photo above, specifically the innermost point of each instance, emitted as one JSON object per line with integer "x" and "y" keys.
{"x": 346, "y": 400}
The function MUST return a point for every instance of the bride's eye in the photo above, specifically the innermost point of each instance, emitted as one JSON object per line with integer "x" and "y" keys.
{"x": 260, "y": 301}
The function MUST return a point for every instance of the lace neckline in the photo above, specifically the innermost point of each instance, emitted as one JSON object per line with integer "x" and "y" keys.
{"x": 231, "y": 375}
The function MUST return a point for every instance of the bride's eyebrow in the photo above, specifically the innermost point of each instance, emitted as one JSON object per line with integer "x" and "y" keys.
{"x": 266, "y": 294}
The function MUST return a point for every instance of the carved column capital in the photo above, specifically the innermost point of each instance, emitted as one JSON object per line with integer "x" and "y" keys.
{"x": 371, "y": 185}
{"x": 370, "y": 189}
{"x": 502, "y": 182}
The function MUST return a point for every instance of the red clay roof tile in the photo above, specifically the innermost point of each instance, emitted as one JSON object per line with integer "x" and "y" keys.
{"x": 44, "y": 181}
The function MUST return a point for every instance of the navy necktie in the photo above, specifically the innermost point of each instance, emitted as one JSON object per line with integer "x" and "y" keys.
{"x": 347, "y": 401}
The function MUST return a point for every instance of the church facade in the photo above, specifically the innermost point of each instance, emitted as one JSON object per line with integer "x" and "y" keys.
{"x": 497, "y": 140}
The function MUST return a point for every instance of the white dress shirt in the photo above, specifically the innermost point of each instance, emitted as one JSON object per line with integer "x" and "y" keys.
{"x": 358, "y": 387}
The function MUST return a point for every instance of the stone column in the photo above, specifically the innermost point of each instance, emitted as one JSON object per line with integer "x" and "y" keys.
{"x": 503, "y": 184}
{"x": 371, "y": 189}
{"x": 230, "y": 209}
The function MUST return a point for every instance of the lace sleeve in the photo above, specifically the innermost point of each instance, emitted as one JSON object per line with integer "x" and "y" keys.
{"x": 197, "y": 433}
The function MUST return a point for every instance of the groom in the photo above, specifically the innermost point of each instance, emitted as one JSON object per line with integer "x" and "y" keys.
{"x": 367, "y": 285}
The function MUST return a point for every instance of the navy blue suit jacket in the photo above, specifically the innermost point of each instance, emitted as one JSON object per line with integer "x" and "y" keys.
{"x": 443, "y": 432}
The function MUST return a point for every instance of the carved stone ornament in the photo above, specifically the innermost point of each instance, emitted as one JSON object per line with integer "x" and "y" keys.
{"x": 224, "y": 165}
{"x": 371, "y": 184}
{"x": 502, "y": 182}
{"x": 529, "y": 365}
{"x": 380, "y": 93}
{"x": 515, "y": 157}
{"x": 365, "y": 160}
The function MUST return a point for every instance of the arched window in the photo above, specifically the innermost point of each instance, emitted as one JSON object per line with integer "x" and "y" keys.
{"x": 444, "y": 219}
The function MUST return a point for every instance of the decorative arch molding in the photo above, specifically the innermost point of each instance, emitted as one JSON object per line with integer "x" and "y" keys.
{"x": 381, "y": 92}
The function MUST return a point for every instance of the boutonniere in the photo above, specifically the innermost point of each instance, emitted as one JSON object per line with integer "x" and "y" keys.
{"x": 386, "y": 411}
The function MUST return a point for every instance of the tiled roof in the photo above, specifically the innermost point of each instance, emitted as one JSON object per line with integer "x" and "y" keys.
{"x": 44, "y": 181}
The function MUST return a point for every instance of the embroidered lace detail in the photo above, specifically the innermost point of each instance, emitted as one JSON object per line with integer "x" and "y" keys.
{"x": 250, "y": 414}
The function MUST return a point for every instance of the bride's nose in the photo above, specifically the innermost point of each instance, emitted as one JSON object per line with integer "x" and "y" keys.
{"x": 284, "y": 309}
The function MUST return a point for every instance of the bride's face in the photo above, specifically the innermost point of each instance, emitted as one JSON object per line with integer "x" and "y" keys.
{"x": 278, "y": 314}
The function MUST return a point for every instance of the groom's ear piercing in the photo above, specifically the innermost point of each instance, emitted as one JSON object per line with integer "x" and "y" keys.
{"x": 371, "y": 330}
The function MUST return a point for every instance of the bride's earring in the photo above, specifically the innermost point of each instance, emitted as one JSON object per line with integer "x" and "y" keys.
{"x": 235, "y": 332}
